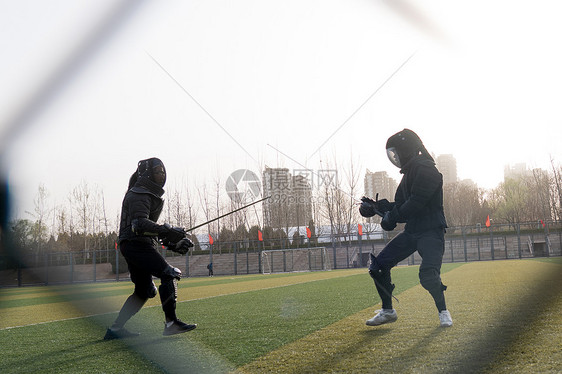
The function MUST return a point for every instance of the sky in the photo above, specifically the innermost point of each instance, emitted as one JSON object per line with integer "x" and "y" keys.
{"x": 210, "y": 87}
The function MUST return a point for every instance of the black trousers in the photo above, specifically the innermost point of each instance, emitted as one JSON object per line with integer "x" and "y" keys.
{"x": 430, "y": 245}
{"x": 144, "y": 262}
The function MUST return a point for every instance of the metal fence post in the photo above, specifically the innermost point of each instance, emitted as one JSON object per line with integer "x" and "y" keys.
{"x": 546, "y": 241}
{"x": 519, "y": 239}
{"x": 235, "y": 258}
{"x": 361, "y": 251}
{"x": 94, "y": 262}
{"x": 334, "y": 254}
{"x": 465, "y": 244}
{"x": 478, "y": 240}
{"x": 46, "y": 256}
{"x": 492, "y": 242}
{"x": 211, "y": 253}
{"x": 71, "y": 259}
{"x": 187, "y": 265}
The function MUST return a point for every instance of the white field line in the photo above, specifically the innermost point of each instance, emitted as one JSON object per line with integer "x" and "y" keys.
{"x": 184, "y": 301}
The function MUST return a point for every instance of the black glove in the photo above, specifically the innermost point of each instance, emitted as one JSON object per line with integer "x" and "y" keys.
{"x": 367, "y": 207}
{"x": 181, "y": 247}
{"x": 370, "y": 207}
{"x": 390, "y": 219}
{"x": 172, "y": 234}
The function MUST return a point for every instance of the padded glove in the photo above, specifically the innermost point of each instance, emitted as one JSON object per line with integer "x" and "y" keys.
{"x": 181, "y": 247}
{"x": 370, "y": 207}
{"x": 172, "y": 234}
{"x": 367, "y": 207}
{"x": 390, "y": 219}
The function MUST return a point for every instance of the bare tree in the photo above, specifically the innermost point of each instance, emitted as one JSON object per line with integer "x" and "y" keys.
{"x": 462, "y": 203}
{"x": 349, "y": 199}
{"x": 191, "y": 210}
{"x": 539, "y": 200}
{"x": 181, "y": 209}
{"x": 105, "y": 221}
{"x": 331, "y": 208}
{"x": 204, "y": 200}
{"x": 41, "y": 214}
{"x": 340, "y": 207}
{"x": 81, "y": 197}
{"x": 511, "y": 196}
{"x": 556, "y": 195}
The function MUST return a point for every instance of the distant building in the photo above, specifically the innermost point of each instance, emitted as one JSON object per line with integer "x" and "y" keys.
{"x": 379, "y": 182}
{"x": 302, "y": 201}
{"x": 447, "y": 165}
{"x": 514, "y": 171}
{"x": 291, "y": 198}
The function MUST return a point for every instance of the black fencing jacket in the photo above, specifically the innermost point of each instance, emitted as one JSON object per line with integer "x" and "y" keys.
{"x": 143, "y": 203}
{"x": 419, "y": 196}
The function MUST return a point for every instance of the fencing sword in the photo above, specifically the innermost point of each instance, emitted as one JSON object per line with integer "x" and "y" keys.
{"x": 227, "y": 214}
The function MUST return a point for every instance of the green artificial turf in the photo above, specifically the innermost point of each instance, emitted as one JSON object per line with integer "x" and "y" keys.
{"x": 315, "y": 325}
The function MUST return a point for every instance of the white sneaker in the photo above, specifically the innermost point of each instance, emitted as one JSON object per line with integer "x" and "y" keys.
{"x": 445, "y": 318}
{"x": 383, "y": 316}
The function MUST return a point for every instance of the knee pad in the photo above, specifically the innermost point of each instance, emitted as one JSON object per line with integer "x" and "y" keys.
{"x": 376, "y": 271}
{"x": 168, "y": 287}
{"x": 381, "y": 275}
{"x": 171, "y": 272}
{"x": 431, "y": 280}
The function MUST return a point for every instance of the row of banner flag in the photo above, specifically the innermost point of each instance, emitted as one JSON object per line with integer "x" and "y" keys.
{"x": 359, "y": 231}
{"x": 488, "y": 223}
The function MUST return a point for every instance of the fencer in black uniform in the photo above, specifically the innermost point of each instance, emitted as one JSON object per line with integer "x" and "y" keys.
{"x": 140, "y": 237}
{"x": 418, "y": 203}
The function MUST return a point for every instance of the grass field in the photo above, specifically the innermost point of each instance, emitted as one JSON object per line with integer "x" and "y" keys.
{"x": 506, "y": 319}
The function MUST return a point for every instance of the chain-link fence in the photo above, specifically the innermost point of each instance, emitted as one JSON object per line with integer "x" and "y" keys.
{"x": 462, "y": 244}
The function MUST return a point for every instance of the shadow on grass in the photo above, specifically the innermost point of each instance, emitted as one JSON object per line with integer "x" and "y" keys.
{"x": 495, "y": 345}
{"x": 48, "y": 361}
{"x": 410, "y": 358}
{"x": 327, "y": 363}
{"x": 179, "y": 354}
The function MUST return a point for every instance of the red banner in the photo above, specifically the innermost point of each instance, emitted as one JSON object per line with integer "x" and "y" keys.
{"x": 488, "y": 224}
{"x": 260, "y": 236}
{"x": 360, "y": 229}
{"x": 211, "y": 241}
{"x": 308, "y": 233}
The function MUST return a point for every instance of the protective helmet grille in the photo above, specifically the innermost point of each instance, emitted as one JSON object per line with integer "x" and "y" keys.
{"x": 153, "y": 169}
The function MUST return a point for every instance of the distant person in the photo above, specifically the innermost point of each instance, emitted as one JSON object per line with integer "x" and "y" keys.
{"x": 418, "y": 202}
{"x": 210, "y": 267}
{"x": 139, "y": 236}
